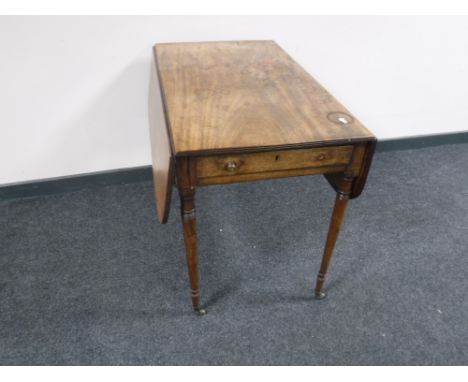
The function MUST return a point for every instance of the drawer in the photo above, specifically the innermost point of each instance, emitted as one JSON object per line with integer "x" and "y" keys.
{"x": 271, "y": 162}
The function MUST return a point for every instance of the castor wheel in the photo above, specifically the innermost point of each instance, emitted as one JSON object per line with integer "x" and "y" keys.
{"x": 320, "y": 295}
{"x": 200, "y": 311}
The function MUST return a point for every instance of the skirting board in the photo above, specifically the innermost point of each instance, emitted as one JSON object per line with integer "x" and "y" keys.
{"x": 144, "y": 173}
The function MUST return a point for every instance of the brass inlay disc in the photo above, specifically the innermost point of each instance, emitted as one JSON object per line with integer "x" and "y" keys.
{"x": 340, "y": 118}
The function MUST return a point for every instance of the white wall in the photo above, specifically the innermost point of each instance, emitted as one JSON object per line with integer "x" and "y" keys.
{"x": 73, "y": 90}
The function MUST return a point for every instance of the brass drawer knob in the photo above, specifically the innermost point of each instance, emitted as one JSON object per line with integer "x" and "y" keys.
{"x": 231, "y": 166}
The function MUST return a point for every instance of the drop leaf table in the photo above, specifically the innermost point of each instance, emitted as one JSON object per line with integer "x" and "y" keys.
{"x": 236, "y": 111}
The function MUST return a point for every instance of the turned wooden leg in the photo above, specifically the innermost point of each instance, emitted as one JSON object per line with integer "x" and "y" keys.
{"x": 190, "y": 237}
{"x": 341, "y": 202}
{"x": 185, "y": 173}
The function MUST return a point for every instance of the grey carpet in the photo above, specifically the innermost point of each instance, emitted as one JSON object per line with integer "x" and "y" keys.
{"x": 90, "y": 277}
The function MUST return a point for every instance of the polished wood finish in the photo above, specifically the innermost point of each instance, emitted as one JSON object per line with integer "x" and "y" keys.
{"x": 268, "y": 175}
{"x": 186, "y": 183}
{"x": 247, "y": 95}
{"x": 223, "y": 169}
{"x": 358, "y": 169}
{"x": 245, "y": 111}
{"x": 341, "y": 202}
{"x": 163, "y": 174}
{"x": 235, "y": 164}
{"x": 364, "y": 168}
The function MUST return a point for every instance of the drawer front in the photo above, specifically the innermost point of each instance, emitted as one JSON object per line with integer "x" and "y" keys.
{"x": 272, "y": 161}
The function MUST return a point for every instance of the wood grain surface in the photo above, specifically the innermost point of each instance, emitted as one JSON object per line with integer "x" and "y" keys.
{"x": 242, "y": 95}
{"x": 162, "y": 158}
{"x": 251, "y": 163}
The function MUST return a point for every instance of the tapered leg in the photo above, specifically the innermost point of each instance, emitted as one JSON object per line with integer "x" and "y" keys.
{"x": 185, "y": 173}
{"x": 339, "y": 210}
{"x": 190, "y": 237}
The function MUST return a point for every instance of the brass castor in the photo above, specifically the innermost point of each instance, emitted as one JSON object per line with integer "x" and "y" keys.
{"x": 320, "y": 295}
{"x": 200, "y": 311}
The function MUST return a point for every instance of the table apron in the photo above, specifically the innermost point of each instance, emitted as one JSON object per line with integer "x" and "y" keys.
{"x": 227, "y": 168}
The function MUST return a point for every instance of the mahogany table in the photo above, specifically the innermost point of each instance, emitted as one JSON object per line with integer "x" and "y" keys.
{"x": 225, "y": 112}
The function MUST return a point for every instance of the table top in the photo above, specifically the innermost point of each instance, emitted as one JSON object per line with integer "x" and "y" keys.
{"x": 246, "y": 95}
